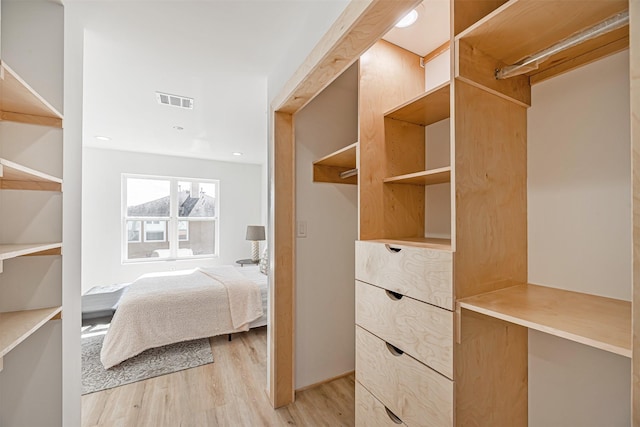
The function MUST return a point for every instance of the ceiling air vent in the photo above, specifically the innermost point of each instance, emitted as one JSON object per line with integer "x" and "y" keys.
{"x": 174, "y": 100}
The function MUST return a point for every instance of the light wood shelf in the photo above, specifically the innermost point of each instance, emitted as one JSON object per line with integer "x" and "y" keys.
{"x": 520, "y": 28}
{"x": 21, "y": 103}
{"x": 14, "y": 251}
{"x": 426, "y": 109}
{"x": 17, "y": 177}
{"x": 599, "y": 322}
{"x": 430, "y": 177}
{"x": 418, "y": 242}
{"x": 344, "y": 157}
{"x": 16, "y": 326}
{"x": 329, "y": 167}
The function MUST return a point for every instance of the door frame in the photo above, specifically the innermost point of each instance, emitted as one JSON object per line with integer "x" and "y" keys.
{"x": 361, "y": 24}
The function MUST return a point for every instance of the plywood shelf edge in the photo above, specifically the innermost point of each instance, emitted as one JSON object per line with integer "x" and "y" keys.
{"x": 429, "y": 177}
{"x": 344, "y": 157}
{"x": 425, "y": 109}
{"x": 19, "y": 102}
{"x": 330, "y": 167}
{"x": 417, "y": 242}
{"x": 14, "y": 251}
{"x": 16, "y": 326}
{"x": 596, "y": 321}
{"x": 17, "y": 177}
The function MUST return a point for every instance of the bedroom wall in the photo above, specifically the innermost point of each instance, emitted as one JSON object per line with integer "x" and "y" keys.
{"x": 241, "y": 204}
{"x": 321, "y": 15}
{"x": 579, "y": 219}
{"x": 325, "y": 259}
{"x": 72, "y": 217}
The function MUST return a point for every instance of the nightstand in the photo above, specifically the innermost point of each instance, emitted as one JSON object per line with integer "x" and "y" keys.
{"x": 248, "y": 261}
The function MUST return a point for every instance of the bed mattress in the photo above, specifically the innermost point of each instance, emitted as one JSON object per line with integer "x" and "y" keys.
{"x": 162, "y": 308}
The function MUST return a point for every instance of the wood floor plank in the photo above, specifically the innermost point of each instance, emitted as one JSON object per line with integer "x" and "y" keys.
{"x": 229, "y": 392}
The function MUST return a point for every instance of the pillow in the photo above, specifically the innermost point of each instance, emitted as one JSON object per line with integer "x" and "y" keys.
{"x": 264, "y": 262}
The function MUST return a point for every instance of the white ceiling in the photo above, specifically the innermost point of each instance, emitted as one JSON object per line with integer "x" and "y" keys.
{"x": 218, "y": 52}
{"x": 430, "y": 30}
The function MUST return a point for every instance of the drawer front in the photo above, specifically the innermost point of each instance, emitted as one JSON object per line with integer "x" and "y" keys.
{"x": 421, "y": 330}
{"x": 418, "y": 395}
{"x": 371, "y": 413}
{"x": 420, "y": 273}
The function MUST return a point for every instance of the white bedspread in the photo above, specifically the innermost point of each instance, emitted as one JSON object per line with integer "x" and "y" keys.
{"x": 161, "y": 309}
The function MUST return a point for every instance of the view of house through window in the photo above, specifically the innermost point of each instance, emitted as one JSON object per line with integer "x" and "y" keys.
{"x": 169, "y": 218}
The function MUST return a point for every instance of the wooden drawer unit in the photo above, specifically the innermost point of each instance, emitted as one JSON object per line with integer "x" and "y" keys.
{"x": 418, "y": 395}
{"x": 421, "y": 330}
{"x": 371, "y": 413}
{"x": 420, "y": 273}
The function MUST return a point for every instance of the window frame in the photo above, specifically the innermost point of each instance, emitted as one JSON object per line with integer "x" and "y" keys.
{"x": 172, "y": 221}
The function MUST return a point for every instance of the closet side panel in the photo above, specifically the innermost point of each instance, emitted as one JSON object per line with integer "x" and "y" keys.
{"x": 389, "y": 76}
{"x": 634, "y": 39}
{"x": 490, "y": 191}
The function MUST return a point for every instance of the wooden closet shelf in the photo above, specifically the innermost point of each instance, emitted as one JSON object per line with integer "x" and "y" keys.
{"x": 17, "y": 177}
{"x": 14, "y": 251}
{"x": 599, "y": 322}
{"x": 418, "y": 242}
{"x": 426, "y": 109}
{"x": 344, "y": 157}
{"x": 520, "y": 28}
{"x": 19, "y": 102}
{"x": 16, "y": 326}
{"x": 331, "y": 167}
{"x": 430, "y": 177}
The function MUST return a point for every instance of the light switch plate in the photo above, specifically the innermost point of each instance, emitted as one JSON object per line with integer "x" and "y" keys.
{"x": 301, "y": 229}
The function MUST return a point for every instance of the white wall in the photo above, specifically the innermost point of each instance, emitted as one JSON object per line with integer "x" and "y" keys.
{"x": 579, "y": 229}
{"x": 325, "y": 259}
{"x": 241, "y": 198}
{"x": 437, "y": 71}
{"x": 27, "y": 51}
{"x": 321, "y": 16}
{"x": 72, "y": 218}
{"x": 437, "y": 218}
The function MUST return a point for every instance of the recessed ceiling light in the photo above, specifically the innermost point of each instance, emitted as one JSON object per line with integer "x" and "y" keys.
{"x": 178, "y": 128}
{"x": 237, "y": 153}
{"x": 408, "y": 19}
{"x": 103, "y": 138}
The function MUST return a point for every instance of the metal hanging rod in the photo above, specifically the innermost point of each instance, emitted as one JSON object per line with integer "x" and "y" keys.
{"x": 532, "y": 62}
{"x": 349, "y": 173}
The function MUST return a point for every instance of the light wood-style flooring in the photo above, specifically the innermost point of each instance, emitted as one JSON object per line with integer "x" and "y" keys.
{"x": 228, "y": 392}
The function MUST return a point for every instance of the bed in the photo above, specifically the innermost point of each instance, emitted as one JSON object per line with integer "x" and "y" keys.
{"x": 163, "y": 308}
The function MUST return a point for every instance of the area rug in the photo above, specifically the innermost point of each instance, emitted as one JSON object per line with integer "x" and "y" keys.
{"x": 148, "y": 364}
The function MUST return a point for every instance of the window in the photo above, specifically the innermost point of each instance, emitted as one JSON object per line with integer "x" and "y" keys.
{"x": 155, "y": 231}
{"x": 183, "y": 231}
{"x": 133, "y": 231}
{"x": 169, "y": 218}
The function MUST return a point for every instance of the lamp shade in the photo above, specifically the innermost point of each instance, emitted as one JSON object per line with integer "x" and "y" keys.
{"x": 255, "y": 232}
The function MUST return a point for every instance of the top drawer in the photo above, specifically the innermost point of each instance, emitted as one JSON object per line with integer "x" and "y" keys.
{"x": 420, "y": 273}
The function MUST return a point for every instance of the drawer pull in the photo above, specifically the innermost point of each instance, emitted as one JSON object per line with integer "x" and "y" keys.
{"x": 394, "y": 350}
{"x": 394, "y": 295}
{"x": 392, "y": 249}
{"x": 393, "y": 416}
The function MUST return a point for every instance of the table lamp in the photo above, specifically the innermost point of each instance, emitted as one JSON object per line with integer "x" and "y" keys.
{"x": 255, "y": 233}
